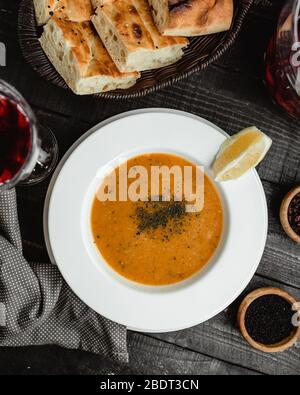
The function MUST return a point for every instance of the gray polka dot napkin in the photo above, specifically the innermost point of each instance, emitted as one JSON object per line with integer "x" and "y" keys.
{"x": 36, "y": 305}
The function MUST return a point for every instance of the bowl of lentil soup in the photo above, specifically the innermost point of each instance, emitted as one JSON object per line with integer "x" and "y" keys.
{"x": 206, "y": 289}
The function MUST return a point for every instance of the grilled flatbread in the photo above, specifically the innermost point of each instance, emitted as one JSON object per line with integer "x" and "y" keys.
{"x": 73, "y": 10}
{"x": 129, "y": 34}
{"x": 79, "y": 56}
{"x": 192, "y": 17}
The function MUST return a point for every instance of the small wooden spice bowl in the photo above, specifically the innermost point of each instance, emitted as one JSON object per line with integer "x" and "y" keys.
{"x": 279, "y": 347}
{"x": 284, "y": 217}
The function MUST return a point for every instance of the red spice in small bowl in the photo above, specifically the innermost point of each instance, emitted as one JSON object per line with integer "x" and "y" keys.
{"x": 290, "y": 214}
{"x": 294, "y": 214}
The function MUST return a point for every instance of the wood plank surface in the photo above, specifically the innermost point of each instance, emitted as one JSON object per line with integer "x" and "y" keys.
{"x": 150, "y": 356}
{"x": 147, "y": 356}
{"x": 230, "y": 93}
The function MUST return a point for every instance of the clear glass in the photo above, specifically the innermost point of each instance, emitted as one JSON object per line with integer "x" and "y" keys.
{"x": 42, "y": 154}
{"x": 283, "y": 60}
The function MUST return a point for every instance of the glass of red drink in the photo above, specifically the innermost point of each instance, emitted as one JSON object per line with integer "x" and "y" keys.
{"x": 28, "y": 151}
{"x": 283, "y": 60}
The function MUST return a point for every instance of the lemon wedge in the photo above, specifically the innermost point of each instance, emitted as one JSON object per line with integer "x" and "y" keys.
{"x": 240, "y": 153}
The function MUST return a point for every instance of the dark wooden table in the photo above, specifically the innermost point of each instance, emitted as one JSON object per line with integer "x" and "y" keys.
{"x": 231, "y": 94}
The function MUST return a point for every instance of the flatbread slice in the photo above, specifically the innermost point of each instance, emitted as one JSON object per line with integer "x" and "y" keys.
{"x": 128, "y": 32}
{"x": 192, "y": 17}
{"x": 79, "y": 56}
{"x": 73, "y": 10}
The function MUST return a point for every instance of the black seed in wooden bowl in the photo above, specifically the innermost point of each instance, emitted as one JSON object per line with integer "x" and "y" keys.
{"x": 268, "y": 320}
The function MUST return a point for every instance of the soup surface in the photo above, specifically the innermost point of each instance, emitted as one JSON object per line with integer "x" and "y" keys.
{"x": 157, "y": 242}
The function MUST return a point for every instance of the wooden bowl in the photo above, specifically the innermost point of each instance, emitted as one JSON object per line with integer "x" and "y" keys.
{"x": 284, "y": 214}
{"x": 279, "y": 347}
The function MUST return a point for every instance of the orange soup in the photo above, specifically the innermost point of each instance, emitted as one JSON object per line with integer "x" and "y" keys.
{"x": 157, "y": 242}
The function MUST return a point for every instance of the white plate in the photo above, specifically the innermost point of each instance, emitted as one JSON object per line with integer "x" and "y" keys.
{"x": 69, "y": 239}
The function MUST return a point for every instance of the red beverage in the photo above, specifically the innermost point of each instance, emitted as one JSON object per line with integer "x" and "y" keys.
{"x": 283, "y": 61}
{"x": 28, "y": 151}
{"x": 15, "y": 139}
